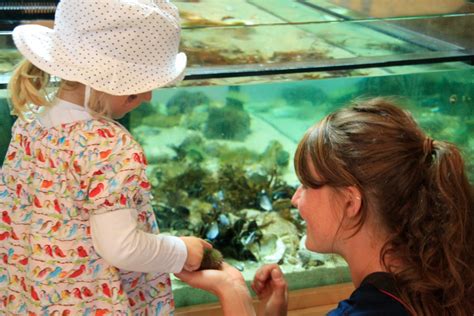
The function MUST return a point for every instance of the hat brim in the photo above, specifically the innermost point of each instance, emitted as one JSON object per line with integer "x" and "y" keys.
{"x": 44, "y": 49}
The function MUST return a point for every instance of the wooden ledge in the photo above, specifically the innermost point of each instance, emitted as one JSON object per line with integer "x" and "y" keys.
{"x": 313, "y": 301}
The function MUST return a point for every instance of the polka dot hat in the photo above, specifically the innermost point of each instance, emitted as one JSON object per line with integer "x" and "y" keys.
{"x": 121, "y": 47}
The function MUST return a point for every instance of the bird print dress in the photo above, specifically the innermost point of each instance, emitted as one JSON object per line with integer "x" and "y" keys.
{"x": 52, "y": 180}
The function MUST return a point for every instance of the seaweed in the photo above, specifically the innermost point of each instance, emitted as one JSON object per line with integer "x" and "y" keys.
{"x": 227, "y": 122}
{"x": 308, "y": 93}
{"x": 212, "y": 259}
{"x": 184, "y": 102}
{"x": 274, "y": 154}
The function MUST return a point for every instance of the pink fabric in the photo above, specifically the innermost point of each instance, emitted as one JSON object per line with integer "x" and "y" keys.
{"x": 52, "y": 180}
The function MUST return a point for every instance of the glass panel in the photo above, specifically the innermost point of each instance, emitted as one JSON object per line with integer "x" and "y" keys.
{"x": 356, "y": 9}
{"x": 284, "y": 46}
{"x": 220, "y": 155}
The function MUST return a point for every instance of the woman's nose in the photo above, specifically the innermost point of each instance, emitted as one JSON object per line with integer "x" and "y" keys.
{"x": 296, "y": 197}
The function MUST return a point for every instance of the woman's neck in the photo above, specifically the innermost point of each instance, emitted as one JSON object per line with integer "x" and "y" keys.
{"x": 362, "y": 253}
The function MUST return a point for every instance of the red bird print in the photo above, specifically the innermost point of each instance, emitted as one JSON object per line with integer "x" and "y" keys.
{"x": 51, "y": 163}
{"x": 43, "y": 272}
{"x": 101, "y": 133}
{"x": 101, "y": 312}
{"x": 40, "y": 156}
{"x": 48, "y": 250}
{"x": 27, "y": 148}
{"x": 37, "y": 202}
{"x": 56, "y": 226}
{"x": 137, "y": 157}
{"x": 76, "y": 166}
{"x": 108, "y": 133}
{"x": 46, "y": 184}
{"x": 134, "y": 283}
{"x": 6, "y": 218}
{"x": 78, "y": 272}
{"x": 77, "y": 293}
{"x": 123, "y": 199}
{"x": 145, "y": 184}
{"x": 4, "y": 235}
{"x": 87, "y": 292}
{"x": 24, "y": 261}
{"x": 18, "y": 189}
{"x": 57, "y": 208}
{"x": 142, "y": 296}
{"x": 131, "y": 178}
{"x": 98, "y": 173}
{"x": 23, "y": 284}
{"x": 34, "y": 295}
{"x": 81, "y": 252}
{"x": 58, "y": 251}
{"x": 106, "y": 290}
{"x": 97, "y": 190}
{"x": 104, "y": 154}
{"x": 11, "y": 156}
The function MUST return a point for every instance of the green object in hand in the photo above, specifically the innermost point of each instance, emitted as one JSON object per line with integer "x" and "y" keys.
{"x": 212, "y": 259}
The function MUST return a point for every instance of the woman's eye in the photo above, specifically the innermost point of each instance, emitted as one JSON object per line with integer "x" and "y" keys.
{"x": 132, "y": 97}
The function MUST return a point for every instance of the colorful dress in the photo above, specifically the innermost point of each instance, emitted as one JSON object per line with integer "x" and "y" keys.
{"x": 52, "y": 180}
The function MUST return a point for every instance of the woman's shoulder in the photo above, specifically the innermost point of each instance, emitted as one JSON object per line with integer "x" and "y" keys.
{"x": 376, "y": 295}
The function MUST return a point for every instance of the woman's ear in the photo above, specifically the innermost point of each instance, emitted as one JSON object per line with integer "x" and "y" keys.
{"x": 353, "y": 201}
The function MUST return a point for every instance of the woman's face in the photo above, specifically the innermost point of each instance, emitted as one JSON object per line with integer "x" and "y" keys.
{"x": 322, "y": 213}
{"x": 121, "y": 105}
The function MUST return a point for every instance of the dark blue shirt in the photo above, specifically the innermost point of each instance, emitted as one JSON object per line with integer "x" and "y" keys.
{"x": 376, "y": 295}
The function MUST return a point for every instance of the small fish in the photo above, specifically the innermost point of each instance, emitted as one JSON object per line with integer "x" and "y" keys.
{"x": 250, "y": 239}
{"x": 224, "y": 220}
{"x": 265, "y": 202}
{"x": 220, "y": 195}
{"x": 213, "y": 231}
{"x": 453, "y": 99}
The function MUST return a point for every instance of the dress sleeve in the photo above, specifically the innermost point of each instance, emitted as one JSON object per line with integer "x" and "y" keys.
{"x": 115, "y": 175}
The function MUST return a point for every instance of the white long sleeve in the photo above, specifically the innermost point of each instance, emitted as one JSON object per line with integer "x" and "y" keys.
{"x": 118, "y": 240}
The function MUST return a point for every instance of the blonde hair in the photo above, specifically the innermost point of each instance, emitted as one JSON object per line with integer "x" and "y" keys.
{"x": 31, "y": 88}
{"x": 27, "y": 86}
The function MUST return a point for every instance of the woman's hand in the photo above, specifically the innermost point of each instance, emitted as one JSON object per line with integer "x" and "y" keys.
{"x": 227, "y": 284}
{"x": 272, "y": 290}
{"x": 214, "y": 281}
{"x": 195, "y": 247}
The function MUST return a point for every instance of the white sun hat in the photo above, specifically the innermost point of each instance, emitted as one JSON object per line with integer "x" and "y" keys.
{"x": 120, "y": 47}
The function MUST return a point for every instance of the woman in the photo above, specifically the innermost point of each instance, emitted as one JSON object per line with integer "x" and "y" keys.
{"x": 394, "y": 203}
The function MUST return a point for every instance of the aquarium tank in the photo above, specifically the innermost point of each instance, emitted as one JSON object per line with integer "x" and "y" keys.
{"x": 220, "y": 145}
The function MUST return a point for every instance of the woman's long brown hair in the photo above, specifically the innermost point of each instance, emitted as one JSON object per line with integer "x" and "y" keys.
{"x": 418, "y": 189}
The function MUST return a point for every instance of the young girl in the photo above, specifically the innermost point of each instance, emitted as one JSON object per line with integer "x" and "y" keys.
{"x": 396, "y": 204}
{"x": 77, "y": 233}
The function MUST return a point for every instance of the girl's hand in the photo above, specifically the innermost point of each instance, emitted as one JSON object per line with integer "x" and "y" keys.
{"x": 195, "y": 247}
{"x": 272, "y": 290}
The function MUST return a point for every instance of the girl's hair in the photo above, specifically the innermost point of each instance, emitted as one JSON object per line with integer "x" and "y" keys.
{"x": 31, "y": 88}
{"x": 416, "y": 187}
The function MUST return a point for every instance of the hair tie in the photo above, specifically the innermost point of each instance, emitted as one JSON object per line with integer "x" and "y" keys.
{"x": 428, "y": 146}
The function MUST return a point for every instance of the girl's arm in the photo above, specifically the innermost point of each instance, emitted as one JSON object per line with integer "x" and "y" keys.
{"x": 118, "y": 240}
